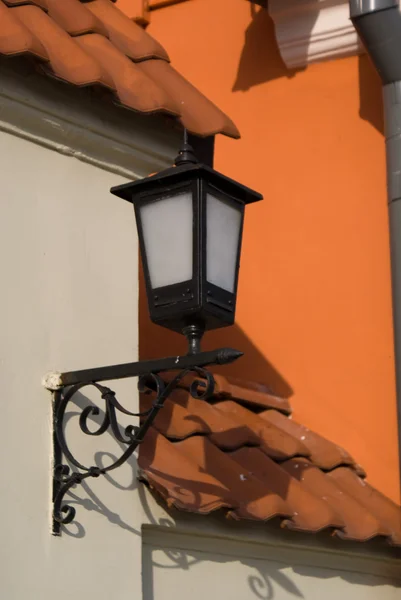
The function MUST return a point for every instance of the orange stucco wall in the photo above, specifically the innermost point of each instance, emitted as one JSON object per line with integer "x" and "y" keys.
{"x": 314, "y": 311}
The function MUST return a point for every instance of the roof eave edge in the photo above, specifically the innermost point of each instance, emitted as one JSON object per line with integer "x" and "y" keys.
{"x": 71, "y": 121}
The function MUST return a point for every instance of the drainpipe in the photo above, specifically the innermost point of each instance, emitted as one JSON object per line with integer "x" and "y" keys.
{"x": 378, "y": 23}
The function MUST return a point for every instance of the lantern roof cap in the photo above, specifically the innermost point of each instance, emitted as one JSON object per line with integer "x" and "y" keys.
{"x": 187, "y": 172}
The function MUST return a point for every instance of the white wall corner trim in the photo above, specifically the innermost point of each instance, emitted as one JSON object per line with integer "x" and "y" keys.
{"x": 309, "y": 31}
{"x": 73, "y": 122}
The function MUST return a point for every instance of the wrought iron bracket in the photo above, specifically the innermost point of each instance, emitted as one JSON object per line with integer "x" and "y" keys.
{"x": 68, "y": 471}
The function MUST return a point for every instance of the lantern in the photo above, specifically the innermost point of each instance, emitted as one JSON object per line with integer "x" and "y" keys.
{"x": 190, "y": 221}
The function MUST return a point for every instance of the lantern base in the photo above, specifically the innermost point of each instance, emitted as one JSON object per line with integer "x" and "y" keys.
{"x": 194, "y": 334}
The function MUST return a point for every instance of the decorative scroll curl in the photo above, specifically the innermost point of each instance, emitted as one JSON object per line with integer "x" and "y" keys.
{"x": 64, "y": 477}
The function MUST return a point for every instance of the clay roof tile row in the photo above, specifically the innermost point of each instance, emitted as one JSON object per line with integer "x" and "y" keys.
{"x": 94, "y": 43}
{"x": 241, "y": 452}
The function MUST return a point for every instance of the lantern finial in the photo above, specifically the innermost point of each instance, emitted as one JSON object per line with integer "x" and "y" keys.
{"x": 186, "y": 154}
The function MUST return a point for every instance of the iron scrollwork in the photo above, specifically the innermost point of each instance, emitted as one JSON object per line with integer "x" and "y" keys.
{"x": 66, "y": 476}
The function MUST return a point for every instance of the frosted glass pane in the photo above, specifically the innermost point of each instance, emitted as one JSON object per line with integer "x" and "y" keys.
{"x": 167, "y": 231}
{"x": 223, "y": 228}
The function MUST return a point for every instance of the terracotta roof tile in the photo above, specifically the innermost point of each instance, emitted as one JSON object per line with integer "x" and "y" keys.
{"x": 67, "y": 60}
{"x": 359, "y": 524}
{"x": 94, "y": 43}
{"x": 388, "y": 513}
{"x": 186, "y": 416}
{"x": 15, "y": 38}
{"x": 225, "y": 453}
{"x": 134, "y": 89}
{"x": 75, "y": 18}
{"x": 207, "y": 119}
{"x": 323, "y": 453}
{"x": 128, "y": 37}
{"x": 249, "y": 393}
{"x": 41, "y": 3}
{"x": 307, "y": 512}
{"x": 202, "y": 493}
{"x": 273, "y": 440}
{"x": 207, "y": 471}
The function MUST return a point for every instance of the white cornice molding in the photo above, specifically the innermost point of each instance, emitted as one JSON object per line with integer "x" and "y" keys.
{"x": 309, "y": 31}
{"x": 75, "y": 123}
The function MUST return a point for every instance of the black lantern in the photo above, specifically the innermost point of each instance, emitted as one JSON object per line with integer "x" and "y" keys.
{"x": 190, "y": 220}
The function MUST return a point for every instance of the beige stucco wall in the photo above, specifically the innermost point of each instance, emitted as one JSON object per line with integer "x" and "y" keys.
{"x": 69, "y": 291}
{"x": 68, "y": 263}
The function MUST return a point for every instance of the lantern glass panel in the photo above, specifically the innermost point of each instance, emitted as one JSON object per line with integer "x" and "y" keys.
{"x": 223, "y": 227}
{"x": 167, "y": 226}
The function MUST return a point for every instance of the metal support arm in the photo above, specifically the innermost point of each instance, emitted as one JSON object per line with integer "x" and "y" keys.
{"x": 68, "y": 471}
